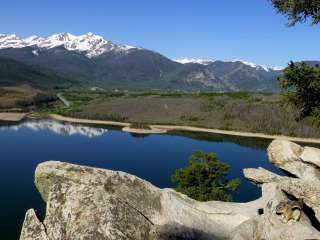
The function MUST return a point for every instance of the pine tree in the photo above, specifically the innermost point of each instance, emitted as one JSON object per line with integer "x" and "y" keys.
{"x": 299, "y": 10}
{"x": 205, "y": 178}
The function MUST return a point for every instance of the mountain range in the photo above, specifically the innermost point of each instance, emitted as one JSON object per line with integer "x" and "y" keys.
{"x": 91, "y": 60}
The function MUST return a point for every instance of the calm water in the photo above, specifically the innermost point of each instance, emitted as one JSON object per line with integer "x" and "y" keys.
{"x": 152, "y": 157}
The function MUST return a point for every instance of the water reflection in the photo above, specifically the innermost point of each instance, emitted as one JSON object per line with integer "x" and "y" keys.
{"x": 251, "y": 142}
{"x": 60, "y": 128}
{"x": 152, "y": 157}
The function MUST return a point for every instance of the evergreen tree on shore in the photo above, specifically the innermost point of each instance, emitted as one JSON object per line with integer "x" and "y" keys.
{"x": 205, "y": 178}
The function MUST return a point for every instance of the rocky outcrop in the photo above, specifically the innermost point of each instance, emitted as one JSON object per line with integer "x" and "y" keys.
{"x": 288, "y": 156}
{"x": 311, "y": 155}
{"x": 91, "y": 203}
{"x": 298, "y": 161}
{"x": 269, "y": 225}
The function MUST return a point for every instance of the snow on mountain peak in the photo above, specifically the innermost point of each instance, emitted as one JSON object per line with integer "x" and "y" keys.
{"x": 93, "y": 45}
{"x": 253, "y": 65}
{"x": 90, "y": 44}
{"x": 193, "y": 60}
{"x": 63, "y": 37}
{"x": 92, "y": 35}
{"x": 9, "y": 41}
{"x": 277, "y": 68}
{"x": 209, "y": 61}
{"x": 259, "y": 67}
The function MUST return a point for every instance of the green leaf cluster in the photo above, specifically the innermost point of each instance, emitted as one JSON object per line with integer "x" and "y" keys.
{"x": 301, "y": 88}
{"x": 299, "y": 10}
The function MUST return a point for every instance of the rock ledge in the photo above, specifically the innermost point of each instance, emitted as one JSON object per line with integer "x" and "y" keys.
{"x": 91, "y": 203}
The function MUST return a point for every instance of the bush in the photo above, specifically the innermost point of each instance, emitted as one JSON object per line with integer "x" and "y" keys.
{"x": 43, "y": 99}
{"x": 40, "y": 100}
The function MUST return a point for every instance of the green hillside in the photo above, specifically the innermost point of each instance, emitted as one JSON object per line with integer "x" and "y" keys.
{"x": 17, "y": 73}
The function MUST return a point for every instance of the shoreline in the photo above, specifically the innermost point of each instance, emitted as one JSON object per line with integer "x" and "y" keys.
{"x": 82, "y": 120}
{"x": 187, "y": 128}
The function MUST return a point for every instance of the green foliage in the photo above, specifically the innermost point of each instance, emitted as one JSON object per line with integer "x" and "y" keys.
{"x": 205, "y": 178}
{"x": 189, "y": 118}
{"x": 40, "y": 100}
{"x": 235, "y": 95}
{"x": 98, "y": 116}
{"x": 6, "y": 93}
{"x": 14, "y": 73}
{"x": 238, "y": 95}
{"x": 301, "y": 88}
{"x": 316, "y": 117}
{"x": 299, "y": 10}
{"x": 62, "y": 87}
{"x": 259, "y": 112}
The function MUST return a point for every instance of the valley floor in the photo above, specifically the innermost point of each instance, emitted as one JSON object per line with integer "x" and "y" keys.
{"x": 238, "y": 112}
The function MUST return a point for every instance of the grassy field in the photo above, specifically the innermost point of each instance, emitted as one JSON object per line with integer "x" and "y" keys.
{"x": 10, "y": 96}
{"x": 24, "y": 98}
{"x": 250, "y": 112}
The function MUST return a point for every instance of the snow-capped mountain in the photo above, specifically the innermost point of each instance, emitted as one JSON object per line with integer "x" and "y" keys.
{"x": 259, "y": 67}
{"x": 193, "y": 60}
{"x": 90, "y": 44}
{"x": 90, "y": 60}
{"x": 65, "y": 129}
{"x": 209, "y": 61}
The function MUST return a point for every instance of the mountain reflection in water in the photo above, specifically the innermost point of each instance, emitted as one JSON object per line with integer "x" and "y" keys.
{"x": 60, "y": 128}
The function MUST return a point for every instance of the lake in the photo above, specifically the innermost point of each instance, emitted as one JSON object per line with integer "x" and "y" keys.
{"x": 151, "y": 157}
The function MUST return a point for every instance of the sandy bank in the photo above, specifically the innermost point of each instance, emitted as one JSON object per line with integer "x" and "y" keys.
{"x": 144, "y": 131}
{"x": 12, "y": 117}
{"x": 188, "y": 128}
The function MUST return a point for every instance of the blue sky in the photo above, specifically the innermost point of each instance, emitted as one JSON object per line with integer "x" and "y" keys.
{"x": 219, "y": 29}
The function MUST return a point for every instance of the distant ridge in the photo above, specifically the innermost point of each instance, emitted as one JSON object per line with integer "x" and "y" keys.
{"x": 91, "y": 60}
{"x": 209, "y": 61}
